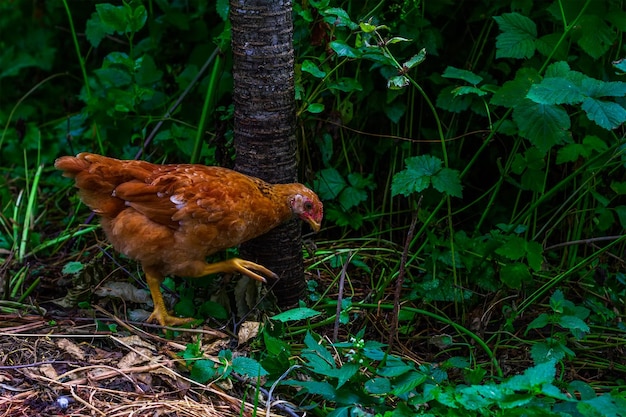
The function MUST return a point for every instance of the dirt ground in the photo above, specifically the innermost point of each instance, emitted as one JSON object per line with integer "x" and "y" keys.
{"x": 69, "y": 367}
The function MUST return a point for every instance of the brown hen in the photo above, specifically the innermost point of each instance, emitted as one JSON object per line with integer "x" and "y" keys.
{"x": 171, "y": 217}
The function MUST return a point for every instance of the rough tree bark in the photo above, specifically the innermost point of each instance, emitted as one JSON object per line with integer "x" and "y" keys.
{"x": 265, "y": 141}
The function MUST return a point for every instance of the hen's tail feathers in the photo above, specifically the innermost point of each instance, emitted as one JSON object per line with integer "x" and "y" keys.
{"x": 97, "y": 176}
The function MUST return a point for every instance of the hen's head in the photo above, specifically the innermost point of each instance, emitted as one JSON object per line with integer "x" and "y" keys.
{"x": 306, "y": 205}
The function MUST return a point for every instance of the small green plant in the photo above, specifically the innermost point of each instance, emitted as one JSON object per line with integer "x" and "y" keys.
{"x": 565, "y": 315}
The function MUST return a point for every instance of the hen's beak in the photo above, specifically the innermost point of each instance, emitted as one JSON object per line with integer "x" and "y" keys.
{"x": 314, "y": 225}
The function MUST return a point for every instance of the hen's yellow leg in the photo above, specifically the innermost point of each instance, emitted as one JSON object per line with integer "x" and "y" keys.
{"x": 160, "y": 313}
{"x": 239, "y": 265}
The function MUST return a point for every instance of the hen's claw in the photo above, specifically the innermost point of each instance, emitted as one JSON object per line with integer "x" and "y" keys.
{"x": 166, "y": 319}
{"x": 241, "y": 266}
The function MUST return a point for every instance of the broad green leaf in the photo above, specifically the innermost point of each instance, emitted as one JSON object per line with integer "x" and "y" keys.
{"x": 337, "y": 16}
{"x": 555, "y": 91}
{"x": 407, "y": 382}
{"x": 541, "y": 352}
{"x": 533, "y": 179}
{"x": 619, "y": 187}
{"x": 597, "y": 37}
{"x": 72, "y": 268}
{"x": 323, "y": 389}
{"x": 596, "y": 88}
{"x": 518, "y": 36}
{"x": 512, "y": 93}
{"x": 203, "y": 371}
{"x": 393, "y": 367}
{"x": 311, "y": 68}
{"x": 295, "y": 314}
{"x": 113, "y": 17}
{"x": 534, "y": 255}
{"x": 415, "y": 59}
{"x": 448, "y": 181}
{"x": 95, "y": 30}
{"x": 407, "y": 182}
{"x": 213, "y": 309}
{"x": 514, "y": 274}
{"x": 351, "y": 197}
{"x": 345, "y": 84}
{"x": 367, "y": 27}
{"x": 378, "y": 386}
{"x": 222, "y": 7}
{"x": 461, "y": 74}
{"x": 315, "y": 108}
{"x": 466, "y": 89}
{"x": 573, "y": 323}
{"x": 397, "y": 82}
{"x": 606, "y": 114}
{"x": 248, "y": 367}
{"x": 451, "y": 102}
{"x": 329, "y": 183}
{"x": 514, "y": 248}
{"x": 539, "y": 322}
{"x": 137, "y": 18}
{"x": 342, "y": 49}
{"x": 543, "y": 125}
{"x": 427, "y": 165}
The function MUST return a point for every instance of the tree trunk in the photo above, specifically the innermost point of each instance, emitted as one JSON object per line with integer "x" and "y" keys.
{"x": 264, "y": 134}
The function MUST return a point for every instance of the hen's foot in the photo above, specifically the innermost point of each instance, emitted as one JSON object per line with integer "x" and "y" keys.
{"x": 251, "y": 269}
{"x": 166, "y": 319}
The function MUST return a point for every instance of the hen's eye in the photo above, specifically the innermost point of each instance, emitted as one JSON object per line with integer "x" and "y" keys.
{"x": 308, "y": 206}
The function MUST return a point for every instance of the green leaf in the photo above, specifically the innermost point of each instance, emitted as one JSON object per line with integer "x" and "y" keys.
{"x": 539, "y": 322}
{"x": 315, "y": 108}
{"x": 534, "y": 255}
{"x": 573, "y": 323}
{"x": 448, "y": 181}
{"x": 542, "y": 124}
{"x": 397, "y": 82}
{"x": 378, "y": 386}
{"x": 113, "y": 17}
{"x": 213, "y": 309}
{"x": 415, "y": 59}
{"x": 514, "y": 248}
{"x": 248, "y": 367}
{"x": 448, "y": 100}
{"x": 393, "y": 367}
{"x": 351, "y": 197}
{"x": 95, "y": 30}
{"x": 222, "y": 7}
{"x": 596, "y": 36}
{"x": 311, "y": 68}
{"x": 555, "y": 91}
{"x": 337, "y": 16}
{"x": 323, "y": 389}
{"x": 301, "y": 313}
{"x": 345, "y": 84}
{"x": 329, "y": 183}
{"x": 408, "y": 382}
{"x": 514, "y": 274}
{"x": 461, "y": 74}
{"x": 72, "y": 268}
{"x": 512, "y": 93}
{"x": 518, "y": 36}
{"x": 542, "y": 352}
{"x": 203, "y": 371}
{"x": 606, "y": 114}
{"x": 342, "y": 49}
{"x": 137, "y": 18}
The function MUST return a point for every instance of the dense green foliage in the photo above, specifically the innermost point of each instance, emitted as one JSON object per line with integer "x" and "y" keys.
{"x": 497, "y": 126}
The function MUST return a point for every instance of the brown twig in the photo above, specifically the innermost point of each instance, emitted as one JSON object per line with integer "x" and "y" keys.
{"x": 393, "y": 331}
